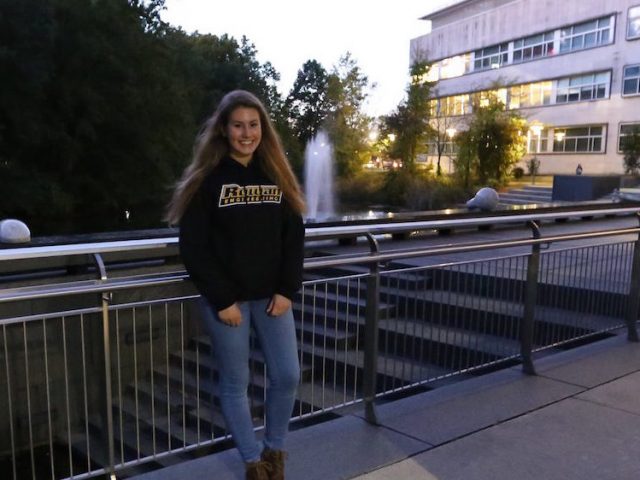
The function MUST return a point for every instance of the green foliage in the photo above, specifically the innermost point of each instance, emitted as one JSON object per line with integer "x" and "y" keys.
{"x": 493, "y": 143}
{"x": 518, "y": 173}
{"x": 400, "y": 190}
{"x": 100, "y": 104}
{"x": 631, "y": 152}
{"x": 361, "y": 190}
{"x": 410, "y": 122}
{"x": 307, "y": 103}
{"x": 347, "y": 126}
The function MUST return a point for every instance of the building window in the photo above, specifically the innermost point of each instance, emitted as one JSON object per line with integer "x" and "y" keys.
{"x": 583, "y": 87}
{"x": 490, "y": 57}
{"x": 537, "y": 141}
{"x": 530, "y": 95}
{"x": 535, "y": 46}
{"x": 627, "y": 129}
{"x": 585, "y": 35}
{"x": 631, "y": 80}
{"x": 633, "y": 22}
{"x": 454, "y": 105}
{"x": 579, "y": 139}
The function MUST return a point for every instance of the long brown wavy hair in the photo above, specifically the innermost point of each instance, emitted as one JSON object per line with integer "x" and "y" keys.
{"x": 211, "y": 146}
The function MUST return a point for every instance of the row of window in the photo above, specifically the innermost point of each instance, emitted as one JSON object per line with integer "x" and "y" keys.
{"x": 578, "y": 139}
{"x": 574, "y": 139}
{"x": 590, "y": 86}
{"x": 572, "y": 38}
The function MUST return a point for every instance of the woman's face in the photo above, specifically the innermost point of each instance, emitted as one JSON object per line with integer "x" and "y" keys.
{"x": 244, "y": 133}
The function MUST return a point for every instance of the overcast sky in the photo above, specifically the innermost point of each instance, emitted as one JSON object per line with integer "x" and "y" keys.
{"x": 289, "y": 32}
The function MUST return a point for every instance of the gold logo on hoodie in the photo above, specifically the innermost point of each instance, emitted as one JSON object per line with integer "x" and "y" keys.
{"x": 234, "y": 194}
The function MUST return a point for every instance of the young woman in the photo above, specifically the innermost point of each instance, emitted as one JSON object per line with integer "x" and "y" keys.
{"x": 239, "y": 208}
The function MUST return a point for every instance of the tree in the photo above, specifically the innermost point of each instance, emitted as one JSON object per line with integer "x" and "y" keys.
{"x": 347, "y": 125}
{"x": 442, "y": 137}
{"x": 307, "y": 102}
{"x": 410, "y": 122}
{"x": 494, "y": 141}
{"x": 100, "y": 107}
{"x": 631, "y": 151}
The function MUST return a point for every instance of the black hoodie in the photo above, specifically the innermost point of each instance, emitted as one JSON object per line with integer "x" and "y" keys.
{"x": 239, "y": 238}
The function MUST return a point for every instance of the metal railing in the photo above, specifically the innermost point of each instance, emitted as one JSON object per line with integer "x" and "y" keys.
{"x": 99, "y": 376}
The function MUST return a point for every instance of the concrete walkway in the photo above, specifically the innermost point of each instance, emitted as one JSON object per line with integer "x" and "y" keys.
{"x": 579, "y": 418}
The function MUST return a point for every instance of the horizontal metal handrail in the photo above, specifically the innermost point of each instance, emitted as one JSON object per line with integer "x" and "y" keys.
{"x": 153, "y": 280}
{"x": 320, "y": 233}
{"x": 312, "y": 233}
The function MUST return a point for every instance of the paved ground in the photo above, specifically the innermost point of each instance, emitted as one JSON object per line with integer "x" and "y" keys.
{"x": 579, "y": 418}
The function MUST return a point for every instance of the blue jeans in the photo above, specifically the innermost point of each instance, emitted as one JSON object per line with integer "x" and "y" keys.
{"x": 230, "y": 345}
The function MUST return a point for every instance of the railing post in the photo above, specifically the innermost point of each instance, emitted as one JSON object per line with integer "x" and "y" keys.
{"x": 371, "y": 336}
{"x": 105, "y": 298}
{"x": 633, "y": 302}
{"x": 530, "y": 295}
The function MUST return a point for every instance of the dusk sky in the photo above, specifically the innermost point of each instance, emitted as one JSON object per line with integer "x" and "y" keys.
{"x": 287, "y": 33}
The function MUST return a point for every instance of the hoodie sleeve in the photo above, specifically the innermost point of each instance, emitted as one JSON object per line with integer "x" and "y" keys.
{"x": 196, "y": 249}
{"x": 292, "y": 253}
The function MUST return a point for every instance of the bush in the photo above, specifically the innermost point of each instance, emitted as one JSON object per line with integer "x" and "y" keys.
{"x": 361, "y": 190}
{"x": 400, "y": 189}
{"x": 517, "y": 172}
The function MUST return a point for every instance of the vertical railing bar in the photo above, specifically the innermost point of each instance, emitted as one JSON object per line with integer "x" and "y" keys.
{"x": 10, "y": 403}
{"x": 554, "y": 287}
{"x": 84, "y": 383}
{"x": 135, "y": 380}
{"x": 168, "y": 373}
{"x": 152, "y": 383}
{"x": 313, "y": 342}
{"x": 527, "y": 329}
{"x": 198, "y": 360}
{"x": 511, "y": 283}
{"x": 581, "y": 283}
{"x": 66, "y": 395}
{"x": 119, "y": 367}
{"x": 371, "y": 335}
{"x": 105, "y": 298}
{"x": 414, "y": 355}
{"x": 301, "y": 348}
{"x": 47, "y": 388}
{"x": 346, "y": 350}
{"x": 404, "y": 337}
{"x": 619, "y": 269}
{"x": 422, "y": 279}
{"x": 357, "y": 345}
{"x": 182, "y": 376}
{"x": 324, "y": 339}
{"x": 335, "y": 350}
{"x": 345, "y": 355}
{"x": 592, "y": 281}
{"x": 28, "y": 390}
{"x": 622, "y": 267}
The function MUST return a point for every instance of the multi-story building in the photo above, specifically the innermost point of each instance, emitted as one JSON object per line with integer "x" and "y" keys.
{"x": 571, "y": 68}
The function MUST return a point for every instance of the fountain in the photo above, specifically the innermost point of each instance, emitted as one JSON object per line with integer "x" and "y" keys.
{"x": 318, "y": 178}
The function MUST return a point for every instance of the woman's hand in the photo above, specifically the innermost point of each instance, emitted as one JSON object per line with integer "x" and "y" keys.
{"x": 278, "y": 305}
{"x": 231, "y": 316}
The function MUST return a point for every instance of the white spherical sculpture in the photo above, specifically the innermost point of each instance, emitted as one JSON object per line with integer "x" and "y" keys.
{"x": 486, "y": 199}
{"x": 14, "y": 231}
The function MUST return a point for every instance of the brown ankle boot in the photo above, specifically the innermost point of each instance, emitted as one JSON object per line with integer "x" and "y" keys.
{"x": 259, "y": 470}
{"x": 275, "y": 459}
